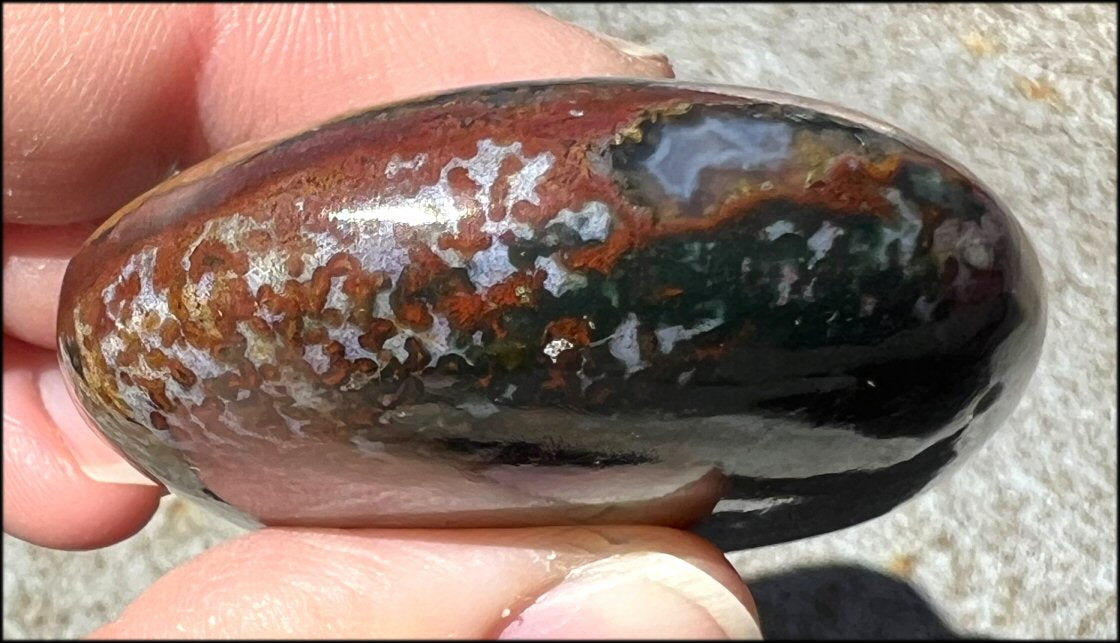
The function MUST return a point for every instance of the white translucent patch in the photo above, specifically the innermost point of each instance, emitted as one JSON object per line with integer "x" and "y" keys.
{"x": 199, "y": 361}
{"x": 316, "y": 356}
{"x": 752, "y": 505}
{"x": 269, "y": 316}
{"x": 381, "y": 305}
{"x": 112, "y": 345}
{"x": 555, "y": 347}
{"x": 520, "y": 229}
{"x": 559, "y": 280}
{"x": 365, "y": 445}
{"x": 785, "y": 286}
{"x": 294, "y": 425}
{"x": 478, "y": 408}
{"x": 972, "y": 244}
{"x": 667, "y": 337}
{"x": 357, "y": 380}
{"x": 686, "y": 149}
{"x": 777, "y": 229}
{"x": 436, "y": 340}
{"x": 490, "y": 266}
{"x": 395, "y": 345}
{"x": 336, "y": 298}
{"x": 450, "y": 256}
{"x": 436, "y": 203}
{"x": 188, "y": 397}
{"x": 137, "y": 401}
{"x": 326, "y": 246}
{"x": 83, "y": 329}
{"x": 698, "y": 255}
{"x": 979, "y": 256}
{"x": 821, "y": 241}
{"x": 592, "y": 222}
{"x": 807, "y": 292}
{"x": 624, "y": 344}
{"x": 375, "y": 248}
{"x": 395, "y": 164}
{"x": 523, "y": 183}
{"x": 484, "y": 166}
{"x": 905, "y": 230}
{"x": 267, "y": 268}
{"x": 685, "y": 377}
{"x": 435, "y": 210}
{"x": 205, "y": 286}
{"x": 347, "y": 335}
{"x": 303, "y": 392}
{"x": 259, "y": 350}
{"x": 147, "y": 302}
{"x": 945, "y": 238}
{"x": 976, "y": 243}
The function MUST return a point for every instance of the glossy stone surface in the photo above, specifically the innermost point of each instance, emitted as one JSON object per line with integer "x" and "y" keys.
{"x": 584, "y": 302}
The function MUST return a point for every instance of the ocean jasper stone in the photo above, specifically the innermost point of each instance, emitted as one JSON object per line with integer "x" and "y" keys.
{"x": 581, "y": 302}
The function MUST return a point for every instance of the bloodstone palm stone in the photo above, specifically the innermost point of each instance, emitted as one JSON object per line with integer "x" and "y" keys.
{"x": 576, "y": 302}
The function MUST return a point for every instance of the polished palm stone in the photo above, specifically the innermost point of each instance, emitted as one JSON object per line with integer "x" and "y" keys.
{"x": 580, "y": 302}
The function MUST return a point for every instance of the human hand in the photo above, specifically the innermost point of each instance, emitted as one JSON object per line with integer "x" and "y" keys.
{"x": 102, "y": 102}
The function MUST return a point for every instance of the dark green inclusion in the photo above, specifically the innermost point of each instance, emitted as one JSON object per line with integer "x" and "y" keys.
{"x": 893, "y": 369}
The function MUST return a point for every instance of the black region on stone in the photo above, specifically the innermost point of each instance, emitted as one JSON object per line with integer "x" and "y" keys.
{"x": 824, "y": 503}
{"x": 210, "y": 494}
{"x": 528, "y": 453}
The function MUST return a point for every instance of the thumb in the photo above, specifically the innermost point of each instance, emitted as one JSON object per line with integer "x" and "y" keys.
{"x": 637, "y": 595}
{"x": 590, "y": 583}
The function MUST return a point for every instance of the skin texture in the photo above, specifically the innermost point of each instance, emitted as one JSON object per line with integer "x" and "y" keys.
{"x": 388, "y": 582}
{"x": 102, "y": 102}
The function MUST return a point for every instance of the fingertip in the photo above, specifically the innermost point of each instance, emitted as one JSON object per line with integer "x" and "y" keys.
{"x": 277, "y": 68}
{"x": 35, "y": 261}
{"x": 48, "y": 499}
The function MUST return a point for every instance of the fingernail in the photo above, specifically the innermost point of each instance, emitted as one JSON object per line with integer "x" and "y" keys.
{"x": 655, "y": 61}
{"x": 636, "y": 596}
{"x": 631, "y": 48}
{"x": 93, "y": 455}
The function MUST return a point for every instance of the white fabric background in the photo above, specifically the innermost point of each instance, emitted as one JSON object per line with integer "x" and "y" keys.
{"x": 1021, "y": 542}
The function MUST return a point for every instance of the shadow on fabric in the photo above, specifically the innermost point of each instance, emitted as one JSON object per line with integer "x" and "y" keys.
{"x": 845, "y": 602}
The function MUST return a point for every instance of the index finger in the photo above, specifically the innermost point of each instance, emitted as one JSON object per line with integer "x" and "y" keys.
{"x": 104, "y": 101}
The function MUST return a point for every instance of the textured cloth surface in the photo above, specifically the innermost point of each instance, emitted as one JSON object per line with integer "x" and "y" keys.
{"x": 1021, "y": 541}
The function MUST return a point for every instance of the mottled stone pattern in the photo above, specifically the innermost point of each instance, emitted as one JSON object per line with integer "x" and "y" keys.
{"x": 585, "y": 276}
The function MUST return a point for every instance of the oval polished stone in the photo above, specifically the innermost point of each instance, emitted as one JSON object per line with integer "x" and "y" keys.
{"x": 580, "y": 302}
